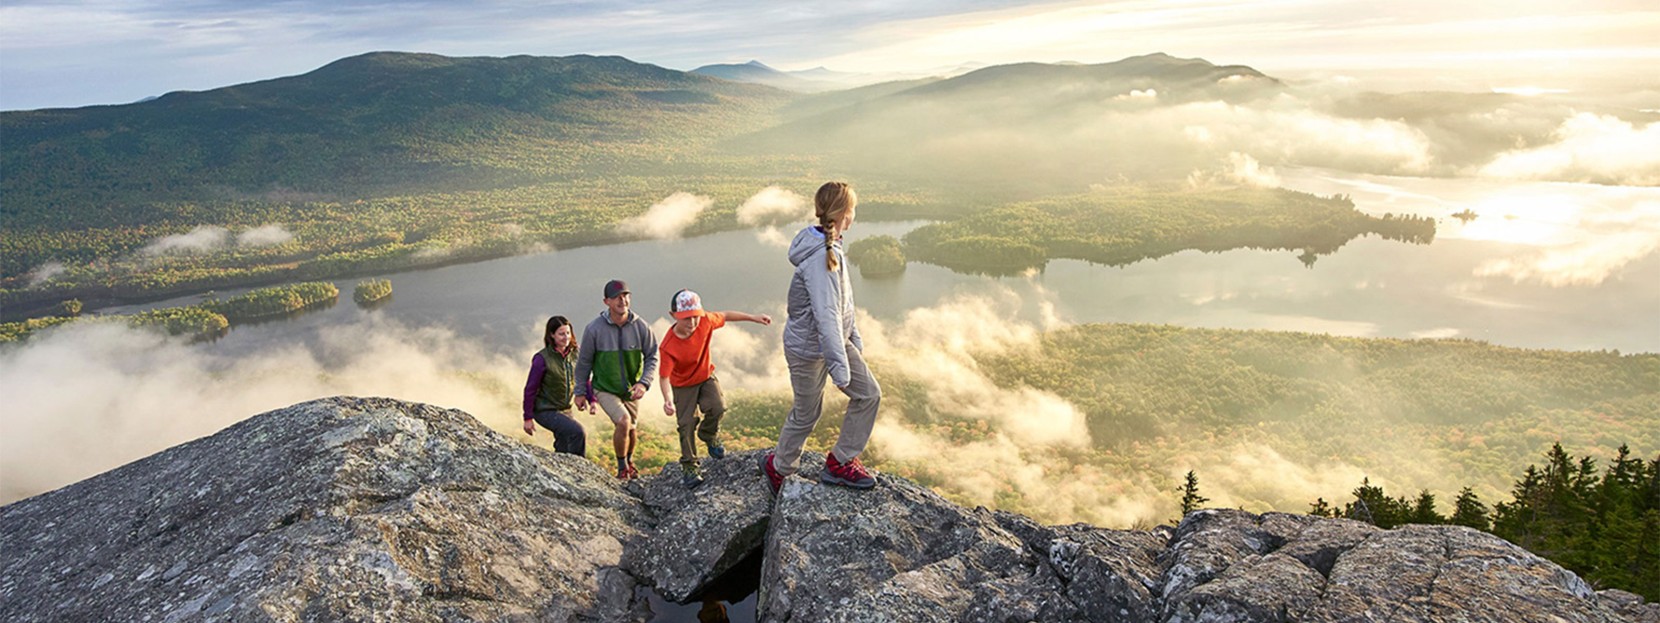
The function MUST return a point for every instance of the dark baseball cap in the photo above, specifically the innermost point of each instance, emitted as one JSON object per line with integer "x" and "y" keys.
{"x": 615, "y": 288}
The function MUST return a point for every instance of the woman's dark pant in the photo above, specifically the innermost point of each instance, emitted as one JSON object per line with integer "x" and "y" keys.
{"x": 568, "y": 436}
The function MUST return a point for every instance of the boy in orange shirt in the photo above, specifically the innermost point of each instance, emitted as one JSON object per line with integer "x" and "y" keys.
{"x": 688, "y": 377}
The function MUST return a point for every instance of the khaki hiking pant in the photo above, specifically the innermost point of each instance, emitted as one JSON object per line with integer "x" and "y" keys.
{"x": 807, "y": 379}
{"x": 688, "y": 401}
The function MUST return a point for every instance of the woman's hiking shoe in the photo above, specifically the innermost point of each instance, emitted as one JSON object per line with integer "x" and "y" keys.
{"x": 689, "y": 476}
{"x": 774, "y": 478}
{"x": 849, "y": 474}
{"x": 628, "y": 473}
{"x": 716, "y": 450}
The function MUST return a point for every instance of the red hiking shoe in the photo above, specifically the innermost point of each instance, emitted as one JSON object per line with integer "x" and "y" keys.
{"x": 774, "y": 478}
{"x": 849, "y": 474}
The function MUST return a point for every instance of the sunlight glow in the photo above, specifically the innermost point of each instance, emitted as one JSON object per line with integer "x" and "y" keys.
{"x": 1523, "y": 219}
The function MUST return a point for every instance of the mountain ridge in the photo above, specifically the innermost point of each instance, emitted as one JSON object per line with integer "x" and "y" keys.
{"x": 383, "y": 119}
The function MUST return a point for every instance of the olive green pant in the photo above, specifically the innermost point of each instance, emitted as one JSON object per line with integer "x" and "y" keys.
{"x": 688, "y": 401}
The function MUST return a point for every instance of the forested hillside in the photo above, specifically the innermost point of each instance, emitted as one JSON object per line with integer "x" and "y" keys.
{"x": 363, "y": 125}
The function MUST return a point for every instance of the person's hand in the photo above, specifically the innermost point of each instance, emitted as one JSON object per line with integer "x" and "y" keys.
{"x": 668, "y": 408}
{"x": 843, "y": 389}
{"x": 637, "y": 392}
{"x": 530, "y": 427}
{"x": 764, "y": 319}
{"x": 582, "y": 404}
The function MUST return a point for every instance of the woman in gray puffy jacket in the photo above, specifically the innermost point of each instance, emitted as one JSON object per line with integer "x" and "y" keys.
{"x": 821, "y": 340}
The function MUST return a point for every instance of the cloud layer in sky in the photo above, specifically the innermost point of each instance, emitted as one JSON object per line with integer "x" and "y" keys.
{"x": 114, "y": 51}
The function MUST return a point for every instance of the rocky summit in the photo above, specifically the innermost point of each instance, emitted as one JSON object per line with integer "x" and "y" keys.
{"x": 359, "y": 509}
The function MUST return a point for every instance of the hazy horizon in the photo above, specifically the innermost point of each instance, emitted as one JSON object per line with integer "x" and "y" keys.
{"x": 122, "y": 51}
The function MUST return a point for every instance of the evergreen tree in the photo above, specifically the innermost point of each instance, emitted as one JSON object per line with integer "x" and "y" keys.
{"x": 1190, "y": 494}
{"x": 1605, "y": 528}
{"x": 1373, "y": 506}
{"x": 1423, "y": 512}
{"x": 1469, "y": 511}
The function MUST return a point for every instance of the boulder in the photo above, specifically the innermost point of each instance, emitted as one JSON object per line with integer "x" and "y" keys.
{"x": 357, "y": 509}
{"x": 343, "y": 509}
{"x": 704, "y": 533}
{"x": 1105, "y": 575}
{"x": 897, "y": 552}
{"x": 1433, "y": 573}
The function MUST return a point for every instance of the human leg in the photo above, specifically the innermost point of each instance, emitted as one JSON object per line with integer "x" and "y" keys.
{"x": 568, "y": 435}
{"x": 622, "y": 421}
{"x": 685, "y": 414}
{"x": 807, "y": 384}
{"x": 864, "y": 394}
{"x": 712, "y": 404}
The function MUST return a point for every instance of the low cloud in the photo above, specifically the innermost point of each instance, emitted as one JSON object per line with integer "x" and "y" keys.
{"x": 1256, "y": 476}
{"x": 1138, "y": 94}
{"x": 1293, "y": 133}
{"x": 1571, "y": 236}
{"x": 114, "y": 394}
{"x": 668, "y": 218}
{"x": 1003, "y": 473}
{"x": 939, "y": 343}
{"x": 1436, "y": 334}
{"x": 211, "y": 238}
{"x": 46, "y": 272}
{"x": 1586, "y": 262}
{"x": 1592, "y": 148}
{"x": 1244, "y": 169}
{"x": 203, "y": 239}
{"x": 264, "y": 236}
{"x": 773, "y": 205}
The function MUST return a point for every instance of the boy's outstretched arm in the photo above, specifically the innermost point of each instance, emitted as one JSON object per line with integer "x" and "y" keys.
{"x": 748, "y": 317}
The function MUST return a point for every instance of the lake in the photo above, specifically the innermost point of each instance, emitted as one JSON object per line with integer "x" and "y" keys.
{"x": 1542, "y": 265}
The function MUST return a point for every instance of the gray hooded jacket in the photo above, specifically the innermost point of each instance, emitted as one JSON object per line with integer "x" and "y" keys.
{"x": 820, "y": 306}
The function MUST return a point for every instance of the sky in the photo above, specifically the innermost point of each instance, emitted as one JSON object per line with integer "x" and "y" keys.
{"x": 63, "y": 54}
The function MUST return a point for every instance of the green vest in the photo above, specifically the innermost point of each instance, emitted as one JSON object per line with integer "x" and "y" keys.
{"x": 555, "y": 394}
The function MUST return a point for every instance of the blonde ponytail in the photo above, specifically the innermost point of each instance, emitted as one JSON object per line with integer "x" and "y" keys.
{"x": 833, "y": 200}
{"x": 830, "y": 253}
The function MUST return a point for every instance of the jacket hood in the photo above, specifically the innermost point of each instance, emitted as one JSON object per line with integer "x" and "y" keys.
{"x": 808, "y": 242}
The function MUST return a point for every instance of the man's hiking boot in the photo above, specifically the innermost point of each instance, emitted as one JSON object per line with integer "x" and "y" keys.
{"x": 689, "y": 476}
{"x": 716, "y": 450}
{"x": 628, "y": 473}
{"x": 849, "y": 474}
{"x": 774, "y": 479}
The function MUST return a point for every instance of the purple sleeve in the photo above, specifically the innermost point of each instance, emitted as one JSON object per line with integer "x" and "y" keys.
{"x": 533, "y": 385}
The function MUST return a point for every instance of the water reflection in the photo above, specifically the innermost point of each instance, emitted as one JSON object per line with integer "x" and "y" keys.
{"x": 1565, "y": 234}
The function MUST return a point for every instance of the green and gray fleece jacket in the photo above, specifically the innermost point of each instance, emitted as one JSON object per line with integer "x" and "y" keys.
{"x": 617, "y": 357}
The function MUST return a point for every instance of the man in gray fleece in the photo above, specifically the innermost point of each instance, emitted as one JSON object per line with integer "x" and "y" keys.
{"x": 822, "y": 340}
{"x": 618, "y": 356}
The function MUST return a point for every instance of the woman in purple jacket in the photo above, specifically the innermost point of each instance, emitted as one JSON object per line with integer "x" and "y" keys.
{"x": 549, "y": 388}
